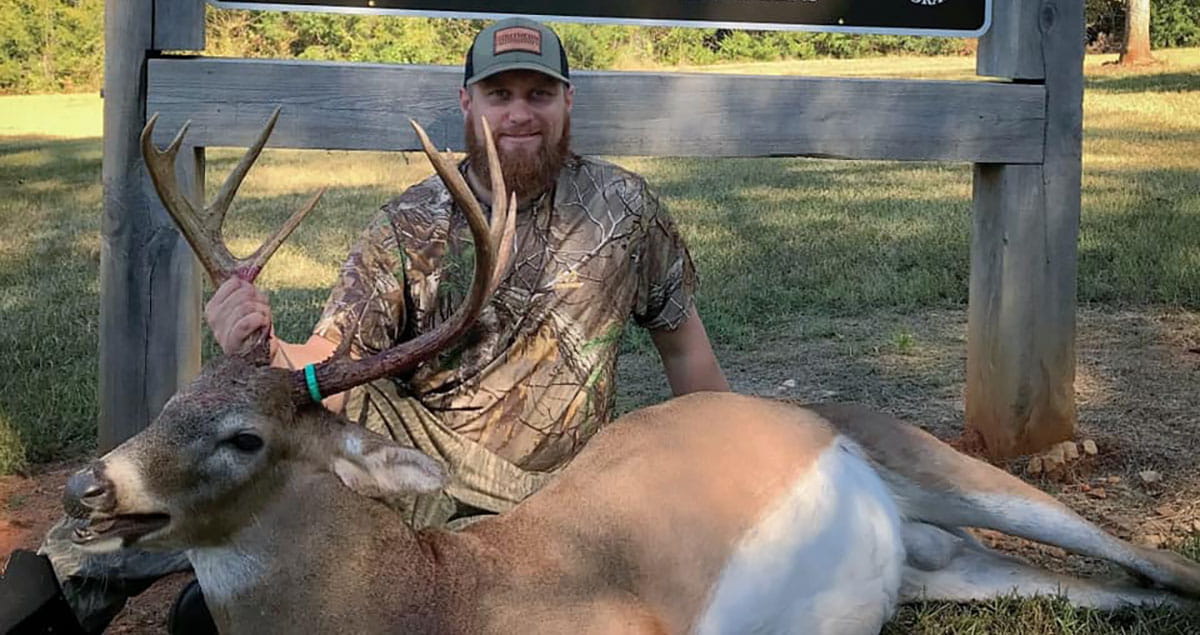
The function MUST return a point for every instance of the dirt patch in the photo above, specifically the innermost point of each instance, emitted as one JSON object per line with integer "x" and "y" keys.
{"x": 1137, "y": 391}
{"x": 29, "y": 505}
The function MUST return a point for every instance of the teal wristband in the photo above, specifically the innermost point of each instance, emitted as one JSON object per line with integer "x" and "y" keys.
{"x": 310, "y": 377}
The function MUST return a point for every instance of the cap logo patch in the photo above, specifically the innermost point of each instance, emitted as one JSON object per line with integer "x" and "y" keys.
{"x": 517, "y": 38}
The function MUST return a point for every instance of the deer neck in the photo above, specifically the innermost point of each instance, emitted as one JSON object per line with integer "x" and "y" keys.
{"x": 318, "y": 530}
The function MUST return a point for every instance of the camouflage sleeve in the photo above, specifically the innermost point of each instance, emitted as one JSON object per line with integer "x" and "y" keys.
{"x": 370, "y": 284}
{"x": 666, "y": 277}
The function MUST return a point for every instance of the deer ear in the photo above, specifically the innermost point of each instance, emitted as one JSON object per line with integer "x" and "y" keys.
{"x": 378, "y": 468}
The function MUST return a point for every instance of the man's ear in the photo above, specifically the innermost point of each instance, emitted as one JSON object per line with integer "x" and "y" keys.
{"x": 464, "y": 99}
{"x": 570, "y": 96}
{"x": 378, "y": 468}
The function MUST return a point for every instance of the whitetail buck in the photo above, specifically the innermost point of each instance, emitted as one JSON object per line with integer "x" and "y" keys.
{"x": 711, "y": 513}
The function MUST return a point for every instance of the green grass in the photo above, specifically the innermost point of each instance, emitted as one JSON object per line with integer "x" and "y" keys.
{"x": 774, "y": 239}
{"x": 66, "y": 116}
{"x": 1041, "y": 616}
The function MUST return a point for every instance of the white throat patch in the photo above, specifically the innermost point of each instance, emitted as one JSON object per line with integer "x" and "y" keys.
{"x": 225, "y": 573}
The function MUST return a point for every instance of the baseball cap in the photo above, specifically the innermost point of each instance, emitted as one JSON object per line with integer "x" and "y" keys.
{"x": 516, "y": 43}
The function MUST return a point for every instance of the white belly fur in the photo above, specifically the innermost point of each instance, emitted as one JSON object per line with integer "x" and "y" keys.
{"x": 826, "y": 560}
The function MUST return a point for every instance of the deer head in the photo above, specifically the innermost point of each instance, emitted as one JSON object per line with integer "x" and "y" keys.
{"x": 226, "y": 444}
{"x": 221, "y": 450}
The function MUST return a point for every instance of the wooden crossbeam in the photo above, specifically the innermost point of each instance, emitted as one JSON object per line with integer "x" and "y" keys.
{"x": 364, "y": 107}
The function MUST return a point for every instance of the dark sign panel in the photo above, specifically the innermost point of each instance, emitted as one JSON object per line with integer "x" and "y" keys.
{"x": 962, "y": 18}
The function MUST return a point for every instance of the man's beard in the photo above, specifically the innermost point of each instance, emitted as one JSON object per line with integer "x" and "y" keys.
{"x": 526, "y": 174}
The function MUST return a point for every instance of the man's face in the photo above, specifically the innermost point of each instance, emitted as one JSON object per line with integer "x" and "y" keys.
{"x": 529, "y": 114}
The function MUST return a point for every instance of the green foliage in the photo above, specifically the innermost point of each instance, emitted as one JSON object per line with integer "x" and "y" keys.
{"x": 57, "y": 45}
{"x": 1173, "y": 23}
{"x": 50, "y": 46}
{"x": 320, "y": 36}
{"x": 685, "y": 46}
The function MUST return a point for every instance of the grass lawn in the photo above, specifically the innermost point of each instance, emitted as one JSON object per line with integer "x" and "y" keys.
{"x": 783, "y": 246}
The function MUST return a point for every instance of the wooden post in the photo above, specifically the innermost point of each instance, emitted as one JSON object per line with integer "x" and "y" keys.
{"x": 1021, "y": 325}
{"x": 178, "y": 25}
{"x": 149, "y": 285}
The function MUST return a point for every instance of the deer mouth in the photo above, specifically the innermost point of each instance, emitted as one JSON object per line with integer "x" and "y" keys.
{"x": 129, "y": 528}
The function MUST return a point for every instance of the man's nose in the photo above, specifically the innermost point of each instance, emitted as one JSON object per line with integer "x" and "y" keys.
{"x": 519, "y": 112}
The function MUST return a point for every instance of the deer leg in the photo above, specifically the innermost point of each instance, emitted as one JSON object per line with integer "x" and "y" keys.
{"x": 948, "y": 567}
{"x": 1022, "y": 510}
{"x": 936, "y": 484}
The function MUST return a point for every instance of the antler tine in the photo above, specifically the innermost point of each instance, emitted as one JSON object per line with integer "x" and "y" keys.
{"x": 220, "y": 205}
{"x": 504, "y": 248}
{"x": 503, "y": 221}
{"x": 499, "y": 190}
{"x": 341, "y": 373}
{"x": 203, "y": 231}
{"x": 454, "y": 181}
{"x": 259, "y": 258}
{"x": 209, "y": 249}
{"x": 503, "y": 209}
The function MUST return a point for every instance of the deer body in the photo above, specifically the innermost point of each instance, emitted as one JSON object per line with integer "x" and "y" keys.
{"x": 711, "y": 513}
{"x": 604, "y": 548}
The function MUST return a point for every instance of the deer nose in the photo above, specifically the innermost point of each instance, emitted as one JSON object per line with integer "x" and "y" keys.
{"x": 88, "y": 491}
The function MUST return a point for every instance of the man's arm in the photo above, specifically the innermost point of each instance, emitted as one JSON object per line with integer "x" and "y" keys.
{"x": 687, "y": 357}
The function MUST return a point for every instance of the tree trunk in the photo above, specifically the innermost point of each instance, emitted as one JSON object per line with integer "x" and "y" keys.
{"x": 1137, "y": 34}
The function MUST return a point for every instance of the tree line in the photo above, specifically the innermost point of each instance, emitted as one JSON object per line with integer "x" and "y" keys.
{"x": 58, "y": 45}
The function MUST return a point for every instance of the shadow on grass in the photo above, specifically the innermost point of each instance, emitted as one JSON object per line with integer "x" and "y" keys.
{"x": 1145, "y": 250}
{"x": 1164, "y": 137}
{"x": 1151, "y": 83}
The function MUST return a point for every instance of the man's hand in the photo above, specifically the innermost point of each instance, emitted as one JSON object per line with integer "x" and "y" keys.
{"x": 235, "y": 313}
{"x": 238, "y": 310}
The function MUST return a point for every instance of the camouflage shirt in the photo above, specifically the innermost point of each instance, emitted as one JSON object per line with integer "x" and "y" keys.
{"x": 534, "y": 378}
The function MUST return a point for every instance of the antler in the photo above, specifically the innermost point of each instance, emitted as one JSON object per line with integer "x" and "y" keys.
{"x": 493, "y": 251}
{"x": 203, "y": 231}
{"x": 493, "y": 248}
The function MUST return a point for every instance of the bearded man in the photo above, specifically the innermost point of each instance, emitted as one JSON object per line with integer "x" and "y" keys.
{"x": 534, "y": 379}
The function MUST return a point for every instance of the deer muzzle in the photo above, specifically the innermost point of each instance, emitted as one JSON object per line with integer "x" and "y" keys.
{"x": 91, "y": 496}
{"x": 88, "y": 491}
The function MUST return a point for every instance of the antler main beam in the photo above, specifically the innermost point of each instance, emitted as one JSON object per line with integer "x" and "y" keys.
{"x": 493, "y": 250}
{"x": 203, "y": 230}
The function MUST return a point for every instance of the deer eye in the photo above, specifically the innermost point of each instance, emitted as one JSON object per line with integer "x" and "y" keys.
{"x": 246, "y": 442}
